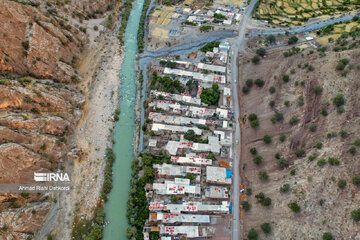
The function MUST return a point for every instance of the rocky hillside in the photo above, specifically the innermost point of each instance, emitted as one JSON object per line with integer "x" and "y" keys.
{"x": 300, "y": 142}
{"x": 41, "y": 43}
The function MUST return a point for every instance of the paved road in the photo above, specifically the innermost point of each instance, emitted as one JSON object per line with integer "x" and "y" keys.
{"x": 238, "y": 44}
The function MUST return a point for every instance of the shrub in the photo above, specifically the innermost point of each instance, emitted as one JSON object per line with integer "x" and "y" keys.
{"x": 272, "y": 89}
{"x": 259, "y": 82}
{"x": 255, "y": 59}
{"x": 292, "y": 172}
{"x": 356, "y": 180}
{"x": 312, "y": 157}
{"x": 343, "y": 134}
{"x": 339, "y": 100}
{"x": 249, "y": 82}
{"x": 245, "y": 205}
{"x": 254, "y": 124}
{"x": 352, "y": 150}
{"x": 324, "y": 112}
{"x": 294, "y": 120}
{"x": 327, "y": 236}
{"x": 253, "y": 151}
{"x": 342, "y": 183}
{"x": 285, "y": 188}
{"x": 267, "y": 139}
{"x": 252, "y": 234}
{"x": 299, "y": 152}
{"x": 272, "y": 103}
{"x": 282, "y": 162}
{"x": 317, "y": 90}
{"x": 357, "y": 142}
{"x": 263, "y": 175}
{"x": 248, "y": 191}
{"x": 245, "y": 89}
{"x": 278, "y": 117}
{"x": 319, "y": 145}
{"x": 321, "y": 162}
{"x": 257, "y": 160}
{"x": 25, "y": 44}
{"x": 333, "y": 161}
{"x": 252, "y": 117}
{"x": 266, "y": 228}
{"x": 261, "y": 52}
{"x": 312, "y": 127}
{"x": 355, "y": 215}
{"x": 331, "y": 135}
{"x": 300, "y": 101}
{"x": 286, "y": 78}
{"x": 294, "y": 207}
{"x": 282, "y": 137}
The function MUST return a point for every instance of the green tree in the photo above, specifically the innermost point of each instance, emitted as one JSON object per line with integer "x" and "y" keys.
{"x": 286, "y": 78}
{"x": 339, "y": 100}
{"x": 253, "y": 151}
{"x": 267, "y": 139}
{"x": 352, "y": 150}
{"x": 355, "y": 215}
{"x": 282, "y": 162}
{"x": 342, "y": 183}
{"x": 259, "y": 82}
{"x": 252, "y": 234}
{"x": 255, "y": 59}
{"x": 294, "y": 207}
{"x": 257, "y": 160}
{"x": 245, "y": 205}
{"x": 263, "y": 175}
{"x": 266, "y": 228}
{"x": 327, "y": 236}
{"x": 261, "y": 52}
{"x": 317, "y": 90}
{"x": 282, "y": 137}
{"x": 292, "y": 40}
{"x": 356, "y": 180}
{"x": 285, "y": 188}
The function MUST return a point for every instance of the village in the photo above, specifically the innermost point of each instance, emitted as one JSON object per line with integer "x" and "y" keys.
{"x": 172, "y": 24}
{"x": 190, "y": 118}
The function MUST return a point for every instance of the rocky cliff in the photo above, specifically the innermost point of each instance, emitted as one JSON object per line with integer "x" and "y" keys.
{"x": 41, "y": 44}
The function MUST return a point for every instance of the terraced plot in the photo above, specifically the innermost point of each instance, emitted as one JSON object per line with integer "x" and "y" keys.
{"x": 296, "y": 12}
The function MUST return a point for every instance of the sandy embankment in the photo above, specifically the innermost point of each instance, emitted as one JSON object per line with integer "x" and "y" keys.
{"x": 100, "y": 84}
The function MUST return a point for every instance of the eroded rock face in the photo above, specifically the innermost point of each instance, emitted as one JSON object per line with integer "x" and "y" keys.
{"x": 37, "y": 118}
{"x": 41, "y": 43}
{"x": 23, "y": 223}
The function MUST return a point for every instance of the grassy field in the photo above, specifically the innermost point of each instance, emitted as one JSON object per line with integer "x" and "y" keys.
{"x": 296, "y": 12}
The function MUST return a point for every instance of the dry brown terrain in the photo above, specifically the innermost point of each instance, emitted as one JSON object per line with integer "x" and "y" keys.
{"x": 41, "y": 104}
{"x": 310, "y": 183}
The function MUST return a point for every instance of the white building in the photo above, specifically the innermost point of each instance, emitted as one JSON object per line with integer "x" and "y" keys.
{"x": 179, "y": 218}
{"x": 156, "y": 127}
{"x": 177, "y": 187}
{"x": 176, "y": 170}
{"x": 218, "y": 175}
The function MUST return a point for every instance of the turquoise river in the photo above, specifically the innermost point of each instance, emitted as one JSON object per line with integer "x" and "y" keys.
{"x": 115, "y": 208}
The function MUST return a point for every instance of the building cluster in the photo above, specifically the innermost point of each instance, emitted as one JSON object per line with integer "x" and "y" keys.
{"x": 192, "y": 188}
{"x": 221, "y": 15}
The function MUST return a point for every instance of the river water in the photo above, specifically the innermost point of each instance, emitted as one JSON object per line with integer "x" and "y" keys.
{"x": 115, "y": 208}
